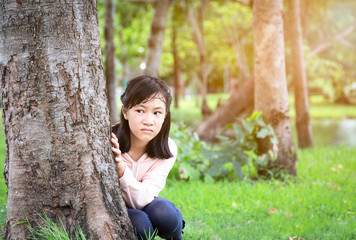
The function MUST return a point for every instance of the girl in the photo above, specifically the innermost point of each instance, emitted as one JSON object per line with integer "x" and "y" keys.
{"x": 144, "y": 155}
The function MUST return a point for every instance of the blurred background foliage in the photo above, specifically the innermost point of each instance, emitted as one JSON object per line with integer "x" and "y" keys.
{"x": 328, "y": 30}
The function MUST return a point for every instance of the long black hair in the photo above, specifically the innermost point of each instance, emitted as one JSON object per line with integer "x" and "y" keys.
{"x": 140, "y": 90}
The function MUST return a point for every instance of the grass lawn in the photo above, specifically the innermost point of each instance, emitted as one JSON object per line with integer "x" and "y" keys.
{"x": 319, "y": 204}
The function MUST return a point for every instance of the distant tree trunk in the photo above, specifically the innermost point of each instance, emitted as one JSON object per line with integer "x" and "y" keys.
{"x": 177, "y": 84}
{"x": 56, "y": 120}
{"x": 239, "y": 104}
{"x": 124, "y": 57}
{"x": 111, "y": 80}
{"x": 303, "y": 124}
{"x": 198, "y": 30}
{"x": 271, "y": 96}
{"x": 155, "y": 42}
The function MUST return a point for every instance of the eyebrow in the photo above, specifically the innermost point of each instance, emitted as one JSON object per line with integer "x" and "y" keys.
{"x": 144, "y": 106}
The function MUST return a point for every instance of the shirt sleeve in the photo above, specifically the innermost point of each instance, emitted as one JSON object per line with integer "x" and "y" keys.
{"x": 139, "y": 194}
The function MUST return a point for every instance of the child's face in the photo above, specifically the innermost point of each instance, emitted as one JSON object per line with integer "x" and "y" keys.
{"x": 145, "y": 120}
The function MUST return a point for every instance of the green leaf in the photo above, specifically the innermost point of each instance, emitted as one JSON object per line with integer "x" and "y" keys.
{"x": 247, "y": 125}
{"x": 254, "y": 115}
{"x": 239, "y": 133}
{"x": 251, "y": 155}
{"x": 188, "y": 172}
{"x": 263, "y": 133}
{"x": 222, "y": 138}
{"x": 242, "y": 157}
{"x": 215, "y": 170}
{"x": 237, "y": 168}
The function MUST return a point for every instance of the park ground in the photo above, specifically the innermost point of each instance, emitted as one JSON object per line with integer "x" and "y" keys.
{"x": 317, "y": 204}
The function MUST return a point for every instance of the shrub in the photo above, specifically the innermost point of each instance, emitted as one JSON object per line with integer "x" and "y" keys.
{"x": 250, "y": 142}
{"x": 192, "y": 160}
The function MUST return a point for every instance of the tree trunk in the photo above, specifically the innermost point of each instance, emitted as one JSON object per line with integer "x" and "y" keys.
{"x": 239, "y": 104}
{"x": 124, "y": 58}
{"x": 177, "y": 84}
{"x": 271, "y": 96}
{"x": 56, "y": 120}
{"x": 198, "y": 30}
{"x": 111, "y": 80}
{"x": 155, "y": 42}
{"x": 304, "y": 130}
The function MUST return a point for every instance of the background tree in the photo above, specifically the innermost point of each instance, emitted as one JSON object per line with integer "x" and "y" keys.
{"x": 177, "y": 73}
{"x": 199, "y": 36}
{"x": 131, "y": 33}
{"x": 302, "y": 120}
{"x": 271, "y": 96}
{"x": 241, "y": 102}
{"x": 56, "y": 121}
{"x": 329, "y": 32}
{"x": 155, "y": 41}
{"x": 110, "y": 73}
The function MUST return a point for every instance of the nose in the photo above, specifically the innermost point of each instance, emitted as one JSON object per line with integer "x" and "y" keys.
{"x": 148, "y": 120}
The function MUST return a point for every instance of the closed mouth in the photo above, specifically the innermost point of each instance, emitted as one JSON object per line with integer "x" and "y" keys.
{"x": 146, "y": 130}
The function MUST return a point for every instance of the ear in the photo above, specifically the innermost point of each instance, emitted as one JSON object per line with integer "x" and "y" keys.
{"x": 124, "y": 111}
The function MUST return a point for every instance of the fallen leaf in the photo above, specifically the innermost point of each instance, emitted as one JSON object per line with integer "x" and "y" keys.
{"x": 295, "y": 237}
{"x": 200, "y": 223}
{"x": 334, "y": 186}
{"x": 272, "y": 210}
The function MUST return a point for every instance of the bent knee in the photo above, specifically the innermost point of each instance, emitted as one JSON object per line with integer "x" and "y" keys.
{"x": 164, "y": 215}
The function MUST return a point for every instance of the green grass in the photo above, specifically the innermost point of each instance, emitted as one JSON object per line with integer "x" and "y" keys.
{"x": 3, "y": 187}
{"x": 319, "y": 204}
{"x": 321, "y": 108}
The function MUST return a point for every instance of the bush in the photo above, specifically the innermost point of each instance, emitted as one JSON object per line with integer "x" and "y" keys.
{"x": 250, "y": 142}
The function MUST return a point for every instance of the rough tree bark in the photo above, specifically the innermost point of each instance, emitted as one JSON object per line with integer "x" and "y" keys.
{"x": 155, "y": 41}
{"x": 111, "y": 80}
{"x": 56, "y": 120}
{"x": 303, "y": 123}
{"x": 271, "y": 96}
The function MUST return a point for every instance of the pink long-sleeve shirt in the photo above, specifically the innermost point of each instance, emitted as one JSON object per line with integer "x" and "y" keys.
{"x": 144, "y": 179}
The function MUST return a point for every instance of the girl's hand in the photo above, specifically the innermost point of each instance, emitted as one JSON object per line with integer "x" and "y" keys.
{"x": 118, "y": 158}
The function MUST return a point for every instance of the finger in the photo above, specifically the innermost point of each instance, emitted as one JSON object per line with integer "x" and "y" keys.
{"x": 114, "y": 136}
{"x": 116, "y": 144}
{"x": 116, "y": 151}
{"x": 118, "y": 159}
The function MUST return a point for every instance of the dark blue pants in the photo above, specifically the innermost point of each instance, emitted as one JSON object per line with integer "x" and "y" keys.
{"x": 160, "y": 215}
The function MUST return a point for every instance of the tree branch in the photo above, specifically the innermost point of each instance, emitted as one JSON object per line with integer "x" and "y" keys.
{"x": 325, "y": 44}
{"x": 196, "y": 31}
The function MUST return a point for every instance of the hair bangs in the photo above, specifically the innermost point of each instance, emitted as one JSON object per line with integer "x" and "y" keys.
{"x": 147, "y": 89}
